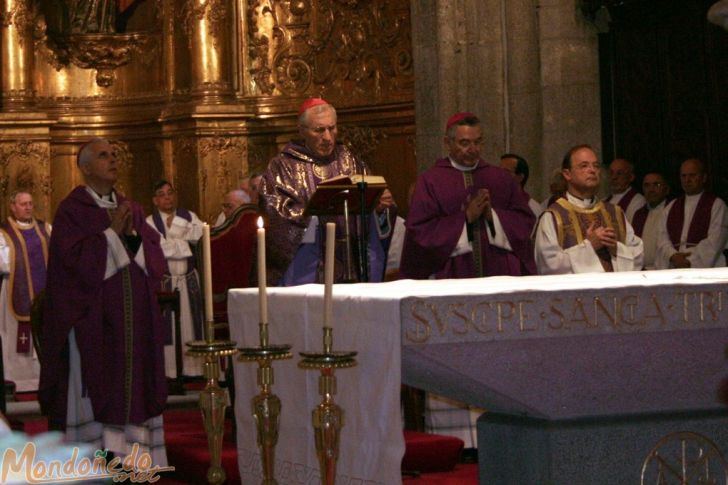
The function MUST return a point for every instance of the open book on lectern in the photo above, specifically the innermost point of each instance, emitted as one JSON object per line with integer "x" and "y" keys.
{"x": 330, "y": 194}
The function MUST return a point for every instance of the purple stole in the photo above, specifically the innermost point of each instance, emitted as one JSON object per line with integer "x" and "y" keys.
{"x": 698, "y": 226}
{"x": 624, "y": 201}
{"x": 29, "y": 260}
{"x": 572, "y": 222}
{"x": 639, "y": 219}
{"x": 193, "y": 284}
{"x": 162, "y": 228}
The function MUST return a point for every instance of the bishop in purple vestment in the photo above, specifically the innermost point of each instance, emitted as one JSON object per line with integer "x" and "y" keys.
{"x": 105, "y": 266}
{"x": 467, "y": 218}
{"x": 294, "y": 248}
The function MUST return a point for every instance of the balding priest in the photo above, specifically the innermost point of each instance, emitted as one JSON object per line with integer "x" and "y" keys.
{"x": 468, "y": 218}
{"x": 102, "y": 349}
{"x": 23, "y": 262}
{"x": 581, "y": 234}
{"x": 694, "y": 227}
{"x": 294, "y": 246}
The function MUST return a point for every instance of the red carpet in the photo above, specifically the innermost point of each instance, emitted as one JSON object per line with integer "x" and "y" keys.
{"x": 187, "y": 452}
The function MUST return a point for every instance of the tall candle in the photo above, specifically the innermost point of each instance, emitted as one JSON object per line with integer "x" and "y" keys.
{"x": 207, "y": 280}
{"x": 329, "y": 273}
{"x": 262, "y": 296}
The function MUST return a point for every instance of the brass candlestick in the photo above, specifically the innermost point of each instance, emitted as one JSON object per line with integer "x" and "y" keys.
{"x": 327, "y": 417}
{"x": 266, "y": 405}
{"x": 213, "y": 398}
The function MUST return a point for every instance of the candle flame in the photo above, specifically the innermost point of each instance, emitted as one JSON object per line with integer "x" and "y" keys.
{"x": 260, "y": 222}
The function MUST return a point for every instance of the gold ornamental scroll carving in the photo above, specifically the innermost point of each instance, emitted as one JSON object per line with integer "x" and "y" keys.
{"x": 216, "y": 163}
{"x": 524, "y": 315}
{"x": 358, "y": 50}
{"x": 25, "y": 166}
{"x": 93, "y": 40}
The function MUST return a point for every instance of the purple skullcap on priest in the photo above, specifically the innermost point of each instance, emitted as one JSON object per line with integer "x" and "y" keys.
{"x": 310, "y": 103}
{"x": 457, "y": 118}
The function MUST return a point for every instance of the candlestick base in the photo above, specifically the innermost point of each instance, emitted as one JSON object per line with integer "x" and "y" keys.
{"x": 213, "y": 400}
{"x": 327, "y": 417}
{"x": 325, "y": 360}
{"x": 266, "y": 406}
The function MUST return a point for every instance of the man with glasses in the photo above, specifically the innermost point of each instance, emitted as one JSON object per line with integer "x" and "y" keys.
{"x": 468, "y": 218}
{"x": 646, "y": 221}
{"x": 581, "y": 234}
{"x": 694, "y": 227}
{"x": 179, "y": 230}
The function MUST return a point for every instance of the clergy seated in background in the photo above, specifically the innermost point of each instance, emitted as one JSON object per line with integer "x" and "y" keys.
{"x": 694, "y": 227}
{"x": 294, "y": 241}
{"x": 23, "y": 261}
{"x": 102, "y": 349}
{"x": 179, "y": 230}
{"x": 557, "y": 189}
{"x": 233, "y": 199}
{"x": 232, "y": 246}
{"x": 581, "y": 234}
{"x": 621, "y": 176}
{"x": 517, "y": 166}
{"x": 646, "y": 221}
{"x": 467, "y": 218}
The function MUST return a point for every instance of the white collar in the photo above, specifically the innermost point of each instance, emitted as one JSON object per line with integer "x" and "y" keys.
{"x": 579, "y": 202}
{"x": 462, "y": 168}
{"x": 105, "y": 202}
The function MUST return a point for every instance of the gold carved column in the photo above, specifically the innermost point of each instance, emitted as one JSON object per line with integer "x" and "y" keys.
{"x": 207, "y": 24}
{"x": 17, "y": 55}
{"x": 204, "y": 131}
{"x": 24, "y": 134}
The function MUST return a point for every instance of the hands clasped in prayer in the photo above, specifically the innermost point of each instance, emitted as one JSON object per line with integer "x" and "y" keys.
{"x": 479, "y": 205}
{"x": 602, "y": 237}
{"x": 680, "y": 260}
{"x": 121, "y": 221}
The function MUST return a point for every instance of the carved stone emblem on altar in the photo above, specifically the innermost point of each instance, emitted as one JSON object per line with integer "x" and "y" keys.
{"x": 91, "y": 35}
{"x": 684, "y": 457}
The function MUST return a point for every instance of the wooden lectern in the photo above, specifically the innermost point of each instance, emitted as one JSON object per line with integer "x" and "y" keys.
{"x": 344, "y": 195}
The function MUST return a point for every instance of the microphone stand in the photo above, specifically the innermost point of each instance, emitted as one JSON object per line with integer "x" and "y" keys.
{"x": 363, "y": 233}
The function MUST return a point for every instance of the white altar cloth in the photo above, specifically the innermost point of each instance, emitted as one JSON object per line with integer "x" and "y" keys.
{"x": 379, "y": 322}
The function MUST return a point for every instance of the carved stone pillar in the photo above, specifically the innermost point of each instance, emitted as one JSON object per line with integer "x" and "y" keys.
{"x": 207, "y": 26}
{"x": 528, "y": 69}
{"x": 17, "y": 55}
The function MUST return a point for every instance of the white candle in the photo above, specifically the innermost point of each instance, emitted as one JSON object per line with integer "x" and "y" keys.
{"x": 329, "y": 273}
{"x": 207, "y": 280}
{"x": 262, "y": 296}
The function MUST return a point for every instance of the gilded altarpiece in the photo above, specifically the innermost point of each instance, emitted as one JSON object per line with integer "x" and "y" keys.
{"x": 199, "y": 91}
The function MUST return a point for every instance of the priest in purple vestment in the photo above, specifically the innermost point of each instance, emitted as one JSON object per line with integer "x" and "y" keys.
{"x": 23, "y": 261}
{"x": 294, "y": 241}
{"x": 468, "y": 218}
{"x": 102, "y": 348}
